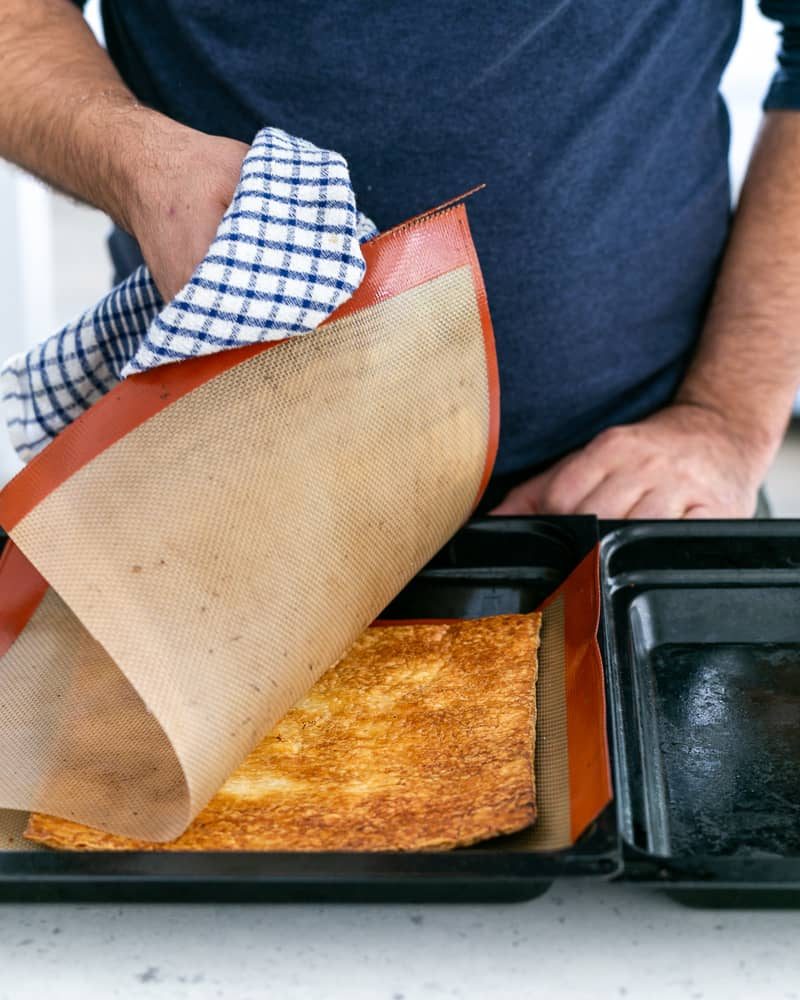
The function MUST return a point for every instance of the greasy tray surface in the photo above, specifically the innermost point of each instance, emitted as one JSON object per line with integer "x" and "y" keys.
{"x": 492, "y": 566}
{"x": 704, "y": 634}
{"x": 421, "y": 737}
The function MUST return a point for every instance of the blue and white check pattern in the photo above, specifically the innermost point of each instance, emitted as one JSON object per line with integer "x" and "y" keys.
{"x": 286, "y": 255}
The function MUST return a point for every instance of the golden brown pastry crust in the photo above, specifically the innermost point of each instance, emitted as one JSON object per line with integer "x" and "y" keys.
{"x": 420, "y": 738}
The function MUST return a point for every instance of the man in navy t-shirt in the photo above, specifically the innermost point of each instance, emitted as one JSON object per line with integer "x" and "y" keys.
{"x": 649, "y": 344}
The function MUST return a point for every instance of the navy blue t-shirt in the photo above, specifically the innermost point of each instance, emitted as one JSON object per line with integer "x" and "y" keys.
{"x": 597, "y": 127}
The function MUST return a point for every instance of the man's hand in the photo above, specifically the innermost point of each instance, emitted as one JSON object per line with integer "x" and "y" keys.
{"x": 685, "y": 461}
{"x": 185, "y": 182}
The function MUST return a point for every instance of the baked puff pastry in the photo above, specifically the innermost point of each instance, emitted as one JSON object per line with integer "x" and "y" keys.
{"x": 420, "y": 738}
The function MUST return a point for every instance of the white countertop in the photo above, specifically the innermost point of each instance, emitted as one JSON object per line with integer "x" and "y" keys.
{"x": 590, "y": 941}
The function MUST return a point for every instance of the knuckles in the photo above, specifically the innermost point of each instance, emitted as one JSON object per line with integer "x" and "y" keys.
{"x": 558, "y": 497}
{"x": 614, "y": 437}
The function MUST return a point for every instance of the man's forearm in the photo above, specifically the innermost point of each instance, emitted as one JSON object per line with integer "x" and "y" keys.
{"x": 747, "y": 365}
{"x": 66, "y": 115}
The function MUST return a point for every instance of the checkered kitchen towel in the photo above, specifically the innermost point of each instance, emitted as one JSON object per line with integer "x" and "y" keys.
{"x": 286, "y": 254}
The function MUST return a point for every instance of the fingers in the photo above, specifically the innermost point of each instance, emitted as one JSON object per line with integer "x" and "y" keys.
{"x": 560, "y": 490}
{"x": 699, "y": 512}
{"x": 570, "y": 481}
{"x": 613, "y": 497}
{"x": 523, "y": 499}
{"x": 656, "y": 504}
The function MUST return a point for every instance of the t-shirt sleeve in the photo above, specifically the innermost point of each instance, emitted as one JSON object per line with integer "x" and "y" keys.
{"x": 784, "y": 90}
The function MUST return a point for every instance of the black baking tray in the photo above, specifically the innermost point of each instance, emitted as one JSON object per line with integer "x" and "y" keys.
{"x": 492, "y": 566}
{"x": 700, "y": 635}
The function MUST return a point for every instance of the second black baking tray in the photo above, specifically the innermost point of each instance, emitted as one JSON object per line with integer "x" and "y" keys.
{"x": 702, "y": 625}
